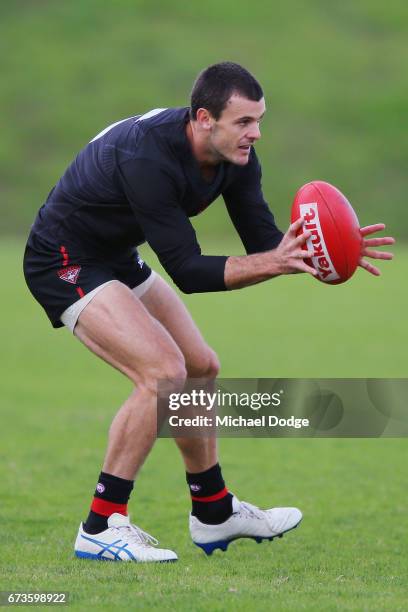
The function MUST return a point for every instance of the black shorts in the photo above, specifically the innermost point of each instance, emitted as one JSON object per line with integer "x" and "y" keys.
{"x": 60, "y": 274}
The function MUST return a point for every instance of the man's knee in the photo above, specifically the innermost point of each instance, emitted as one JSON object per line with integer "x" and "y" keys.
{"x": 173, "y": 369}
{"x": 213, "y": 365}
{"x": 169, "y": 370}
{"x": 207, "y": 366}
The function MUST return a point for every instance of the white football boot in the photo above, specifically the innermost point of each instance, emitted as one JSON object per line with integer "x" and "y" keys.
{"x": 121, "y": 542}
{"x": 247, "y": 521}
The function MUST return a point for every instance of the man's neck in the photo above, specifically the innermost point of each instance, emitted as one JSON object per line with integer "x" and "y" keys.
{"x": 201, "y": 153}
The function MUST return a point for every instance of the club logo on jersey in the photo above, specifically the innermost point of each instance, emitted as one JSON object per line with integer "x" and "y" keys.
{"x": 316, "y": 243}
{"x": 140, "y": 261}
{"x": 69, "y": 274}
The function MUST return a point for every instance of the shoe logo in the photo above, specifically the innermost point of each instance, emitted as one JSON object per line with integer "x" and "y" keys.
{"x": 113, "y": 548}
{"x": 69, "y": 274}
{"x": 100, "y": 487}
{"x": 195, "y": 488}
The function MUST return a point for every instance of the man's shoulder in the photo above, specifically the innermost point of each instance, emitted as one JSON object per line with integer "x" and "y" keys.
{"x": 158, "y": 136}
{"x": 162, "y": 118}
{"x": 132, "y": 131}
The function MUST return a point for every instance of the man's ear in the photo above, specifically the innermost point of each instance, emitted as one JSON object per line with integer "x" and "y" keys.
{"x": 204, "y": 119}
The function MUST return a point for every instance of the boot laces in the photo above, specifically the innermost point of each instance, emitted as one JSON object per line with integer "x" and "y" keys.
{"x": 251, "y": 510}
{"x": 133, "y": 533}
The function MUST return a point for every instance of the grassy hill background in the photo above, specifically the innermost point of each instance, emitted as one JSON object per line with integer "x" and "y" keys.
{"x": 334, "y": 76}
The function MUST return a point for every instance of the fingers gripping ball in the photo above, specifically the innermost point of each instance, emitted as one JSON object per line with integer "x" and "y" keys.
{"x": 336, "y": 239}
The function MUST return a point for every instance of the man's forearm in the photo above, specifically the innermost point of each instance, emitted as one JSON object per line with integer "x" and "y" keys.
{"x": 250, "y": 269}
{"x": 287, "y": 258}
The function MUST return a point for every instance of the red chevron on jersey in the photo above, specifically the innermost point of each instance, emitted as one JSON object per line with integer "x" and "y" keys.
{"x": 70, "y": 274}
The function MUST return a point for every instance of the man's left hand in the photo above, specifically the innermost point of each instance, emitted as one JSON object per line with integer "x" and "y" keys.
{"x": 368, "y": 243}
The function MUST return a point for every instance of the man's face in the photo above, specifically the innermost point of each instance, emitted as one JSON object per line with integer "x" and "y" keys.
{"x": 232, "y": 135}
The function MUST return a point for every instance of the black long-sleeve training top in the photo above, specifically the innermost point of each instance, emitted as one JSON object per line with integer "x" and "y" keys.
{"x": 138, "y": 181}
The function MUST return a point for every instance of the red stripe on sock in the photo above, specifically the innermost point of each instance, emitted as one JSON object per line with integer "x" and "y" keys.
{"x": 106, "y": 508}
{"x": 80, "y": 292}
{"x": 211, "y": 498}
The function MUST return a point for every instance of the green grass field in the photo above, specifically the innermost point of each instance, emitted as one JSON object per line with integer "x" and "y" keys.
{"x": 56, "y": 404}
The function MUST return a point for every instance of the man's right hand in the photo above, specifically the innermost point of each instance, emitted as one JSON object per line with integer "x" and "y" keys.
{"x": 287, "y": 258}
{"x": 289, "y": 255}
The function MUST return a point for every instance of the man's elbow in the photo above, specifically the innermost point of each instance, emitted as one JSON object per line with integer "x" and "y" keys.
{"x": 186, "y": 285}
{"x": 199, "y": 278}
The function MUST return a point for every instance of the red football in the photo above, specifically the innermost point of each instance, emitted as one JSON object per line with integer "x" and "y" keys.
{"x": 336, "y": 239}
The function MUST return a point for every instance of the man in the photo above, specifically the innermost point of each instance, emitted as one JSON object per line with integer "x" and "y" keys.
{"x": 140, "y": 180}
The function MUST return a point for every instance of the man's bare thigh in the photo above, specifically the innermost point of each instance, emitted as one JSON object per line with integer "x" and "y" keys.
{"x": 166, "y": 306}
{"x": 117, "y": 327}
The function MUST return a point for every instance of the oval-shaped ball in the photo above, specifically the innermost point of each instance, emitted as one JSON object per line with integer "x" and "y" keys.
{"x": 336, "y": 239}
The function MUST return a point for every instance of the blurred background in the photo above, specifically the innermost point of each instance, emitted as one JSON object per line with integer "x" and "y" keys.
{"x": 335, "y": 81}
{"x": 334, "y": 76}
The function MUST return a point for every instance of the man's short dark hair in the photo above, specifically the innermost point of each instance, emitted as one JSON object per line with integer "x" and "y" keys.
{"x": 217, "y": 83}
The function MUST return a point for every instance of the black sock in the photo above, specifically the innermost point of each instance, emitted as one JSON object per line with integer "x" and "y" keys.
{"x": 212, "y": 504}
{"x": 111, "y": 495}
